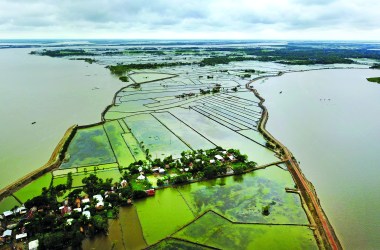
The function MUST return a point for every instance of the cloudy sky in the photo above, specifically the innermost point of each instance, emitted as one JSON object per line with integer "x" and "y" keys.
{"x": 191, "y": 19}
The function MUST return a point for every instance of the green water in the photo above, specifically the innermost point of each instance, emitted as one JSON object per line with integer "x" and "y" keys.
{"x": 213, "y": 230}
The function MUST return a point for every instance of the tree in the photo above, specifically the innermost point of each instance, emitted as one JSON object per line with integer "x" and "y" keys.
{"x": 55, "y": 240}
{"x": 180, "y": 179}
{"x": 210, "y": 171}
{"x": 100, "y": 223}
{"x": 238, "y": 169}
{"x": 265, "y": 210}
{"x": 138, "y": 194}
{"x": 160, "y": 182}
{"x": 69, "y": 182}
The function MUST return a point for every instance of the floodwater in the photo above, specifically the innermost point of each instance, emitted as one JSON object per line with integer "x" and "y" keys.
{"x": 123, "y": 233}
{"x": 55, "y": 94}
{"x": 329, "y": 120}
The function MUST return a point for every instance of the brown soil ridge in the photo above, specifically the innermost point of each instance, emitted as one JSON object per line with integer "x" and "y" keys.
{"x": 325, "y": 234}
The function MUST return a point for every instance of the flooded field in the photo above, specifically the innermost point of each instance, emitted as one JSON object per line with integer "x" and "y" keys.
{"x": 165, "y": 112}
{"x": 328, "y": 120}
{"x": 236, "y": 213}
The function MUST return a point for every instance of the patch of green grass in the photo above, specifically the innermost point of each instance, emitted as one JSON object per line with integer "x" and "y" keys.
{"x": 59, "y": 180}
{"x": 34, "y": 188}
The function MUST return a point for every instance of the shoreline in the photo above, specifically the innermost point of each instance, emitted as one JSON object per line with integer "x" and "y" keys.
{"x": 325, "y": 234}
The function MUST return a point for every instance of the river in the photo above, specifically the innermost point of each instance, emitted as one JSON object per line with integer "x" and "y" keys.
{"x": 55, "y": 94}
{"x": 329, "y": 120}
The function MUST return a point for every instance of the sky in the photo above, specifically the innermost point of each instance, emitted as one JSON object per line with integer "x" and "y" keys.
{"x": 191, "y": 19}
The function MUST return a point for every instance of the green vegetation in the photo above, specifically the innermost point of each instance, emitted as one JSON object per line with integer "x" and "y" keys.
{"x": 87, "y": 60}
{"x": 121, "y": 69}
{"x": 63, "y": 53}
{"x": 374, "y": 79}
{"x": 375, "y": 66}
{"x": 34, "y": 188}
{"x": 212, "y": 61}
{"x": 124, "y": 78}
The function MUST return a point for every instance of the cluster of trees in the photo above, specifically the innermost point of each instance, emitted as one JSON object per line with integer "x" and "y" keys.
{"x": 63, "y": 52}
{"x": 296, "y": 55}
{"x": 53, "y": 230}
{"x": 87, "y": 60}
{"x": 121, "y": 69}
{"x": 212, "y": 61}
{"x": 201, "y": 164}
{"x": 142, "y": 51}
{"x": 124, "y": 78}
{"x": 375, "y": 66}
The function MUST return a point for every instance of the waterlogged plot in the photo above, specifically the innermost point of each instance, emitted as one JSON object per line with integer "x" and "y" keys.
{"x": 187, "y": 134}
{"x": 223, "y": 136}
{"x": 115, "y": 134}
{"x": 242, "y": 198}
{"x": 253, "y": 135}
{"x": 160, "y": 141}
{"x": 215, "y": 231}
{"x": 90, "y": 146}
{"x": 163, "y": 214}
{"x": 34, "y": 188}
{"x": 134, "y": 147}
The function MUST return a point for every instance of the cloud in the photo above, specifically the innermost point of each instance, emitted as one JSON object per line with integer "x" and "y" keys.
{"x": 270, "y": 19}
